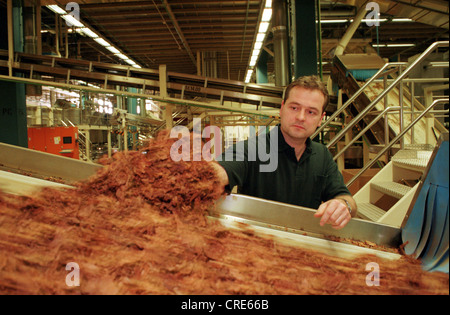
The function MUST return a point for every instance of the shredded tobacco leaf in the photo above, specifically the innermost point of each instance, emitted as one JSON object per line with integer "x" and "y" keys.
{"x": 138, "y": 226}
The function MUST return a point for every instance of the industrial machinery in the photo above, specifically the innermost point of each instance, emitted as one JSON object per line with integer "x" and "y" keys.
{"x": 288, "y": 223}
{"x": 426, "y": 234}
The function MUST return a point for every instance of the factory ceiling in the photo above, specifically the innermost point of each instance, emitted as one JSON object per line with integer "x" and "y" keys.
{"x": 176, "y": 32}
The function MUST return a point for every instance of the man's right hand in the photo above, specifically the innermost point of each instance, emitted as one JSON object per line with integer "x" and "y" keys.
{"x": 221, "y": 174}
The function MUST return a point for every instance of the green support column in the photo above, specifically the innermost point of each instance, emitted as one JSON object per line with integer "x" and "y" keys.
{"x": 13, "y": 109}
{"x": 305, "y": 38}
{"x": 132, "y": 104}
{"x": 261, "y": 68}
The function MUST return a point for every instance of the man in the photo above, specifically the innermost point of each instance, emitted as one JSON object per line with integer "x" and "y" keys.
{"x": 306, "y": 174}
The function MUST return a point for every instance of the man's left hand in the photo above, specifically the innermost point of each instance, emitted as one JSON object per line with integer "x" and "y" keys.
{"x": 334, "y": 212}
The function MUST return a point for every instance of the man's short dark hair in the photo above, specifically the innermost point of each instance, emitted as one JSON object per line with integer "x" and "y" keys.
{"x": 311, "y": 82}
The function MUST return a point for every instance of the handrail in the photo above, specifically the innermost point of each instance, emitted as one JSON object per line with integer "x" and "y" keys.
{"x": 380, "y": 114}
{"x": 70, "y": 123}
{"x": 390, "y": 108}
{"x": 84, "y": 141}
{"x": 398, "y": 137}
{"x": 354, "y": 96}
{"x": 355, "y": 120}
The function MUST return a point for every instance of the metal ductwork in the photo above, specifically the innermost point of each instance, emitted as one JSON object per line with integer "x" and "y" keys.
{"x": 350, "y": 31}
{"x": 280, "y": 39}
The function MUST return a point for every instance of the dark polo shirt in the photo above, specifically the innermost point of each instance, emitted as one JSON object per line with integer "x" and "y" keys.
{"x": 308, "y": 182}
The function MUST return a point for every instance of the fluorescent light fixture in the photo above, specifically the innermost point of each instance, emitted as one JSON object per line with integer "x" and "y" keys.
{"x": 72, "y": 21}
{"x": 56, "y": 9}
{"x": 372, "y": 20}
{"x": 402, "y": 20}
{"x": 122, "y": 56}
{"x": 364, "y": 20}
{"x": 333, "y": 21}
{"x": 260, "y": 37}
{"x": 130, "y": 62}
{"x": 400, "y": 45}
{"x": 137, "y": 66}
{"x": 267, "y": 15}
{"x": 102, "y": 42}
{"x": 393, "y": 45}
{"x": 249, "y": 75}
{"x": 256, "y": 52}
{"x": 113, "y": 49}
{"x": 263, "y": 26}
{"x": 87, "y": 31}
{"x": 258, "y": 45}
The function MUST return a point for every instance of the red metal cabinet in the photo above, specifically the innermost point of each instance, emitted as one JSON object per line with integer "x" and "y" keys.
{"x": 56, "y": 140}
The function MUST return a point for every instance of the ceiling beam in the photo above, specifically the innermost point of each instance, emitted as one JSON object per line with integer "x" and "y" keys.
{"x": 179, "y": 32}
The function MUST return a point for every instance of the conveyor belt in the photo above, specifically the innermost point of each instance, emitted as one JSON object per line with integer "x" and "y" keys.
{"x": 288, "y": 237}
{"x": 25, "y": 185}
{"x": 290, "y": 224}
{"x": 41, "y": 164}
{"x": 146, "y": 79}
{"x": 21, "y": 185}
{"x": 301, "y": 220}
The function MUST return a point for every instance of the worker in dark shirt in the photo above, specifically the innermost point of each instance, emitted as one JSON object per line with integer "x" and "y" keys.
{"x": 296, "y": 170}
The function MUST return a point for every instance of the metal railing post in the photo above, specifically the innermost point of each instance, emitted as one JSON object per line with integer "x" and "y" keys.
{"x": 431, "y": 48}
{"x": 354, "y": 96}
{"x": 397, "y": 138}
{"x": 362, "y": 132}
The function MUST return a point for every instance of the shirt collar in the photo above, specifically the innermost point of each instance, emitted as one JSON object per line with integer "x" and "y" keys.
{"x": 283, "y": 145}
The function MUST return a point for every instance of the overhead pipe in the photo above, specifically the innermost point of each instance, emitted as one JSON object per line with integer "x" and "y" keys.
{"x": 32, "y": 36}
{"x": 350, "y": 31}
{"x": 280, "y": 40}
{"x": 319, "y": 38}
{"x": 179, "y": 32}
{"x": 29, "y": 28}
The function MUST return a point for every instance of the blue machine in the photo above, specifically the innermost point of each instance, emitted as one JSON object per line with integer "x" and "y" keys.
{"x": 426, "y": 231}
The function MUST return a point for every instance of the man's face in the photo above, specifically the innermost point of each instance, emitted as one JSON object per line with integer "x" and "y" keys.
{"x": 302, "y": 113}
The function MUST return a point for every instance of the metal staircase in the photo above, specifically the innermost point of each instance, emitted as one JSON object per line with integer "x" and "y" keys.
{"x": 84, "y": 146}
{"x": 388, "y": 196}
